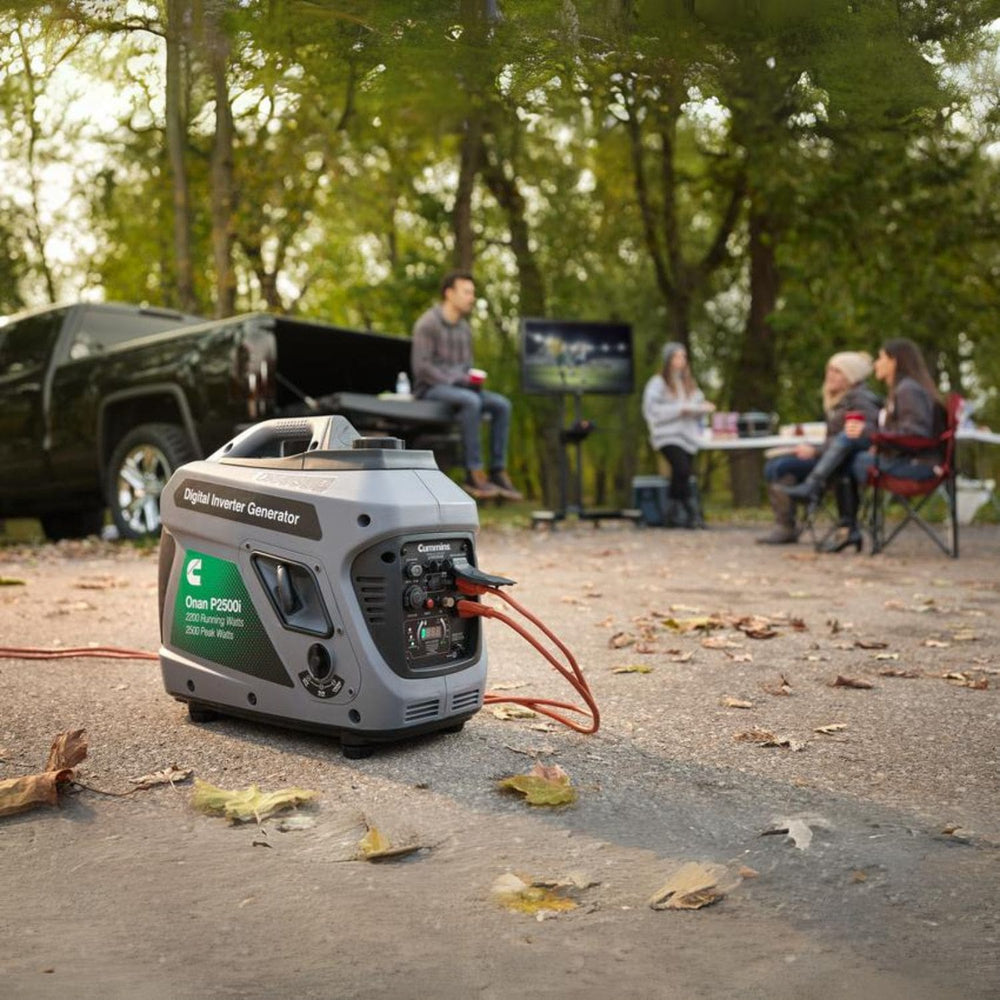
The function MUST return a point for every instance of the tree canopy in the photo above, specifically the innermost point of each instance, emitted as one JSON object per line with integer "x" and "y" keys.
{"x": 764, "y": 180}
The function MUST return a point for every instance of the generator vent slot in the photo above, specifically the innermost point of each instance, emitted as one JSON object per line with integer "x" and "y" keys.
{"x": 464, "y": 700}
{"x": 372, "y": 594}
{"x": 420, "y": 711}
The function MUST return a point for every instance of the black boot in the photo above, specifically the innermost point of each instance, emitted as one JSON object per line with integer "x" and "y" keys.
{"x": 811, "y": 489}
{"x": 693, "y": 510}
{"x": 678, "y": 515}
{"x": 848, "y": 533}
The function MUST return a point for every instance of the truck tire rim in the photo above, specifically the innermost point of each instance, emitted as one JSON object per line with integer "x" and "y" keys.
{"x": 143, "y": 474}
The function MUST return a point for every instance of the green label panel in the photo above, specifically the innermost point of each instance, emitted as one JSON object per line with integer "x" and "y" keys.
{"x": 215, "y": 619}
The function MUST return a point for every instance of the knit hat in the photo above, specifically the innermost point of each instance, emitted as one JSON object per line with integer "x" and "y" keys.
{"x": 670, "y": 349}
{"x": 856, "y": 365}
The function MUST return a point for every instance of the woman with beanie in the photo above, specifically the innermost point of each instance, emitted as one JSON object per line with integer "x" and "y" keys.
{"x": 672, "y": 405}
{"x": 803, "y": 474}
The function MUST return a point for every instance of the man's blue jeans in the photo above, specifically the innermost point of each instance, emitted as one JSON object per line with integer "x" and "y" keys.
{"x": 472, "y": 404}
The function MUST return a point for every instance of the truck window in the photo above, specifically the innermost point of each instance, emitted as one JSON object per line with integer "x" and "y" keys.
{"x": 25, "y": 345}
{"x": 103, "y": 328}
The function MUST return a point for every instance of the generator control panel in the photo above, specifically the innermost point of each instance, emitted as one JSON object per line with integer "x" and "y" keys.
{"x": 411, "y": 603}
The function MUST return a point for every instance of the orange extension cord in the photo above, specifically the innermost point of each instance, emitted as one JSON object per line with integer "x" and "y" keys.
{"x": 573, "y": 674}
{"x": 467, "y": 609}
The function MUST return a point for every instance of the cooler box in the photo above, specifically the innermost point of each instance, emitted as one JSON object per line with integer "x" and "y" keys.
{"x": 649, "y": 495}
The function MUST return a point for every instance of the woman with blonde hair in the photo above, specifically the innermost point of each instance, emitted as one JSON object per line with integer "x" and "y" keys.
{"x": 673, "y": 406}
{"x": 802, "y": 475}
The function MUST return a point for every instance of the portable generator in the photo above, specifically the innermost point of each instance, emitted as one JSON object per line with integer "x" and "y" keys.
{"x": 308, "y": 577}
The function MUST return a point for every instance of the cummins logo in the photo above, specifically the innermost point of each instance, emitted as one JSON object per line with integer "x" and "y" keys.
{"x": 442, "y": 547}
{"x": 193, "y": 572}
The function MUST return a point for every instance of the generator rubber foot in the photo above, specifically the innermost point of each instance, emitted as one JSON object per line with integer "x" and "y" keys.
{"x": 356, "y": 751}
{"x": 201, "y": 713}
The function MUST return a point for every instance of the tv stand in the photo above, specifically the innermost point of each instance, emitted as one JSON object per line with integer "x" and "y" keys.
{"x": 573, "y": 437}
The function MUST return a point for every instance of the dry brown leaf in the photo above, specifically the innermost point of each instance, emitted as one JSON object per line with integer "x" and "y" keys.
{"x": 678, "y": 656}
{"x": 508, "y": 712}
{"x": 851, "y": 682}
{"x": 870, "y": 644}
{"x": 691, "y": 887}
{"x": 833, "y": 727}
{"x": 780, "y": 690}
{"x": 740, "y": 657}
{"x": 765, "y": 738}
{"x": 67, "y": 750}
{"x": 20, "y": 794}
{"x": 620, "y": 640}
{"x": 729, "y": 702}
{"x": 898, "y": 672}
{"x": 935, "y": 644}
{"x": 168, "y": 776}
{"x": 720, "y": 642}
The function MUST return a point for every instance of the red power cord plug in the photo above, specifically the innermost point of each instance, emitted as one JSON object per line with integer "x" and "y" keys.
{"x": 572, "y": 673}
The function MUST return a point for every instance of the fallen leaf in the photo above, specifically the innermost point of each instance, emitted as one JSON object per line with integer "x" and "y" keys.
{"x": 966, "y": 679}
{"x": 851, "y": 682}
{"x": 965, "y": 635}
{"x": 833, "y": 727}
{"x": 168, "y": 776}
{"x": 870, "y": 644}
{"x": 703, "y": 622}
{"x": 935, "y": 643}
{"x": 248, "y": 803}
{"x": 507, "y": 712}
{"x": 620, "y": 640}
{"x": 729, "y": 702}
{"x": 781, "y": 689}
{"x": 858, "y": 876}
{"x": 886, "y": 656}
{"x": 20, "y": 794}
{"x": 521, "y": 896}
{"x": 720, "y": 642}
{"x": 740, "y": 657}
{"x": 690, "y": 887}
{"x": 67, "y": 750}
{"x": 632, "y": 668}
{"x": 678, "y": 656}
{"x": 898, "y": 672}
{"x": 508, "y": 687}
{"x": 765, "y": 738}
{"x": 11, "y": 581}
{"x": 376, "y": 846}
{"x": 543, "y": 785}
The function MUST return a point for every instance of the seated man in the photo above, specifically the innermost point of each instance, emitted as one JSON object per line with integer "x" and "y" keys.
{"x": 441, "y": 360}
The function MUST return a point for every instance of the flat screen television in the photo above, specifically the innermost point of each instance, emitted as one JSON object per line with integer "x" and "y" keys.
{"x": 573, "y": 356}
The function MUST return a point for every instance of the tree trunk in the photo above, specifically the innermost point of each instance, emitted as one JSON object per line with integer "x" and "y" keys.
{"x": 217, "y": 45}
{"x": 178, "y": 15}
{"x": 755, "y": 384}
{"x": 468, "y": 168}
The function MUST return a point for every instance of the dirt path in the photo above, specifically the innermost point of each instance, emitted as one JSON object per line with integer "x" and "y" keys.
{"x": 893, "y": 896}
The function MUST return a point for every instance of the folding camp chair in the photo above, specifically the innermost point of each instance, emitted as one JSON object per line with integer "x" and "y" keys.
{"x": 913, "y": 495}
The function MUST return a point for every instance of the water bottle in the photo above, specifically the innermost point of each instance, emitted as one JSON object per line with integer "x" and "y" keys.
{"x": 402, "y": 384}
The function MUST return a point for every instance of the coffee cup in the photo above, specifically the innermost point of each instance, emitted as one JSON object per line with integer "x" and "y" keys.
{"x": 476, "y": 377}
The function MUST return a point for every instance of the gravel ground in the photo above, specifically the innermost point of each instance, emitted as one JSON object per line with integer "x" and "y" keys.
{"x": 895, "y": 783}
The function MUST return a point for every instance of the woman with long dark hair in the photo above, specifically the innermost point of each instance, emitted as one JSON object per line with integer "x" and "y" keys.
{"x": 913, "y": 407}
{"x": 673, "y": 406}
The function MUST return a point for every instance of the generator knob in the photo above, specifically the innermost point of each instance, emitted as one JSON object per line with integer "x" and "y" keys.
{"x": 414, "y": 597}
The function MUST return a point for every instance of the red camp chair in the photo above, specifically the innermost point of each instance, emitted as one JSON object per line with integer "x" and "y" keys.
{"x": 912, "y": 494}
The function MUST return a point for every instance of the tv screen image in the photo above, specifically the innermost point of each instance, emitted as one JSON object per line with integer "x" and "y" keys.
{"x": 574, "y": 356}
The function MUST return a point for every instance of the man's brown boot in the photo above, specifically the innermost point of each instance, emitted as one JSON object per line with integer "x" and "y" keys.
{"x": 477, "y": 485}
{"x": 501, "y": 481}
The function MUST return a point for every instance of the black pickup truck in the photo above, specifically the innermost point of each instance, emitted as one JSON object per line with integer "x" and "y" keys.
{"x": 99, "y": 403}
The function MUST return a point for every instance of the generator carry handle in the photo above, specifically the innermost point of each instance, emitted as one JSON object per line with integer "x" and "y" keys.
{"x": 290, "y": 436}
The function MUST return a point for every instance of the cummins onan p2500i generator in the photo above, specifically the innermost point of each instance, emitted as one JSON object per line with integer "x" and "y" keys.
{"x": 308, "y": 578}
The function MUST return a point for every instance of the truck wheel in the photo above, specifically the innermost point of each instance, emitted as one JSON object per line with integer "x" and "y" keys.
{"x": 140, "y": 466}
{"x": 58, "y": 525}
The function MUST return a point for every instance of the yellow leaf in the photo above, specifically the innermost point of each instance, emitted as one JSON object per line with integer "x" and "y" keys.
{"x": 543, "y": 785}
{"x": 507, "y": 712}
{"x": 515, "y": 894}
{"x": 248, "y": 803}
{"x": 632, "y": 668}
